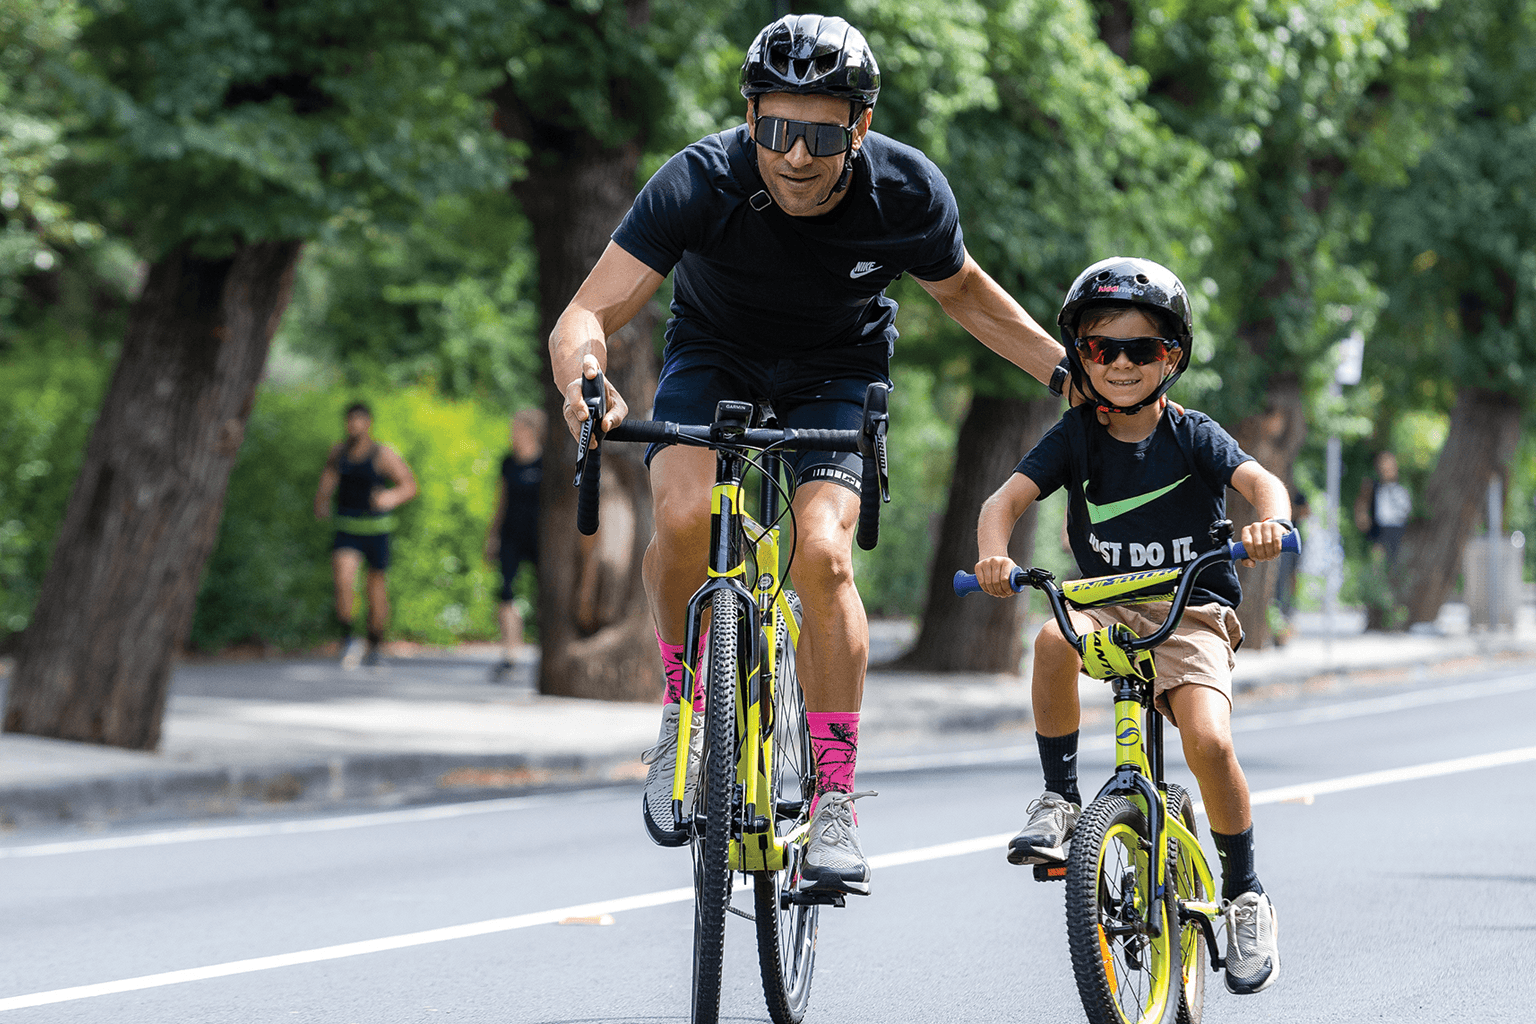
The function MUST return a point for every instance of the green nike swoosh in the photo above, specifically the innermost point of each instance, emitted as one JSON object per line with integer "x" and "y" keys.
{"x": 1104, "y": 513}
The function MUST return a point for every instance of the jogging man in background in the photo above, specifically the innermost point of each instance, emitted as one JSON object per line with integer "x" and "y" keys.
{"x": 513, "y": 536}
{"x": 369, "y": 481}
{"x": 784, "y": 233}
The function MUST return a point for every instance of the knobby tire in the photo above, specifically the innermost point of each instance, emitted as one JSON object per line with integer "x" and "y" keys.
{"x": 786, "y": 936}
{"x": 1193, "y": 957}
{"x": 1121, "y": 978}
{"x": 717, "y": 786}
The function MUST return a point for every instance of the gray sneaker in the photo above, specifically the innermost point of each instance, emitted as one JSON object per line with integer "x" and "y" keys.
{"x": 1045, "y": 839}
{"x": 834, "y": 862}
{"x": 662, "y": 758}
{"x": 352, "y": 654}
{"x": 1253, "y": 944}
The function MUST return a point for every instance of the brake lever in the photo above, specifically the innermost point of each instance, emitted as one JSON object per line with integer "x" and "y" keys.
{"x": 595, "y": 397}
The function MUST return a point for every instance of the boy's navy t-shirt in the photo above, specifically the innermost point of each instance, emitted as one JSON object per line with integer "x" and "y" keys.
{"x": 811, "y": 283}
{"x": 1146, "y": 505}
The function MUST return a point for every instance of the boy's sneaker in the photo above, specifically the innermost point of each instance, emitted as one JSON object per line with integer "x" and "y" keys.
{"x": 834, "y": 861}
{"x": 1253, "y": 946}
{"x": 351, "y": 653}
{"x": 662, "y": 758}
{"x": 1045, "y": 839}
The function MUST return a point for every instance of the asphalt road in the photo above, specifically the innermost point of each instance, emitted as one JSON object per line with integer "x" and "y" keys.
{"x": 1403, "y": 895}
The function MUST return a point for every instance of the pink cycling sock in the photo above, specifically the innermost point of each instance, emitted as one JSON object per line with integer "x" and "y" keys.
{"x": 835, "y": 742}
{"x": 676, "y": 672}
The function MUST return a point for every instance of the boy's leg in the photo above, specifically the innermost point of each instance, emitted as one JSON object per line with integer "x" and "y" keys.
{"x": 1204, "y": 718}
{"x": 1053, "y": 695}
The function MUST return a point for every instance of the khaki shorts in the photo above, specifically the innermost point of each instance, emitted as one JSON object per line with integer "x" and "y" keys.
{"x": 1200, "y": 651}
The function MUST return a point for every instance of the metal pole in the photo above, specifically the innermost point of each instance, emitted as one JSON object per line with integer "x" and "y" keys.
{"x": 1495, "y": 541}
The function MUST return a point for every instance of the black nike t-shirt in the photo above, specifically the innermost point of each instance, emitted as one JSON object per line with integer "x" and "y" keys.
{"x": 763, "y": 283}
{"x": 1146, "y": 505}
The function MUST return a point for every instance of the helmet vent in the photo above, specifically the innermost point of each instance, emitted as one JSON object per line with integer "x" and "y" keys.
{"x": 1103, "y": 275}
{"x": 1142, "y": 279}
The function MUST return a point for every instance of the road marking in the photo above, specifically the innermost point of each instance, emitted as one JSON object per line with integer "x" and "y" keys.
{"x": 1029, "y": 753}
{"x": 655, "y": 899}
{"x": 439, "y": 812}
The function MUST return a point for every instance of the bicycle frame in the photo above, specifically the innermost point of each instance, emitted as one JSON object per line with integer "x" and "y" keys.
{"x": 764, "y": 607}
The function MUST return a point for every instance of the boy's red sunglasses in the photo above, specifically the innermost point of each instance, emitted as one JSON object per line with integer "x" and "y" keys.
{"x": 1097, "y": 348}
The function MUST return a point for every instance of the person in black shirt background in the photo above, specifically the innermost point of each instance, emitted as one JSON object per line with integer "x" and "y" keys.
{"x": 513, "y": 537}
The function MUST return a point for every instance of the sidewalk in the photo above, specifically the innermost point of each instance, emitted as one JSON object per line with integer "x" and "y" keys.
{"x": 242, "y": 738}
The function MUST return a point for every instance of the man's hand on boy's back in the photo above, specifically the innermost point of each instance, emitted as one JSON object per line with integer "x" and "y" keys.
{"x": 994, "y": 574}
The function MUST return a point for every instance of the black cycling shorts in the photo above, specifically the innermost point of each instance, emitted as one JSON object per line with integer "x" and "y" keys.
{"x": 374, "y": 547}
{"x": 824, "y": 392}
{"x": 514, "y": 552}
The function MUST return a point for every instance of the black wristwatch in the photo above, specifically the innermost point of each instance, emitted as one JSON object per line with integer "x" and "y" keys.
{"x": 1059, "y": 377}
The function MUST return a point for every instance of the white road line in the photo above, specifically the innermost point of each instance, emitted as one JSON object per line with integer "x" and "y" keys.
{"x": 665, "y": 896}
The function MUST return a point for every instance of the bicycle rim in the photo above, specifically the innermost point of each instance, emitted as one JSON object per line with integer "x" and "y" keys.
{"x": 1124, "y": 974}
{"x": 786, "y": 935}
{"x": 1187, "y": 886}
{"x": 717, "y": 787}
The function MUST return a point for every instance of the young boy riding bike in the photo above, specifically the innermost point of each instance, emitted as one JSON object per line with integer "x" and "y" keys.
{"x": 1145, "y": 483}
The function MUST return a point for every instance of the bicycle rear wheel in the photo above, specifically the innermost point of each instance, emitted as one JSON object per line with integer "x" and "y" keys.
{"x": 1125, "y": 974}
{"x": 716, "y": 792}
{"x": 786, "y": 933}
{"x": 1187, "y": 886}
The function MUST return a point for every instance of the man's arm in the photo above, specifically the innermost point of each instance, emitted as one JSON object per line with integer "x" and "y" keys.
{"x": 1270, "y": 500}
{"x": 608, "y": 299}
{"x": 980, "y": 305}
{"x": 394, "y": 467}
{"x": 329, "y": 479}
{"x": 493, "y": 532}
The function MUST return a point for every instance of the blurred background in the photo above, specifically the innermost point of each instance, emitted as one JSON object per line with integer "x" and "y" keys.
{"x": 402, "y": 197}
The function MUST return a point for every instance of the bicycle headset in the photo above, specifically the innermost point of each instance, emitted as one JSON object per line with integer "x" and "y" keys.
{"x": 811, "y": 55}
{"x": 1132, "y": 282}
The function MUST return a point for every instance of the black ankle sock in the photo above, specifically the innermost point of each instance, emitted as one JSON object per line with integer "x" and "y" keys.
{"x": 1236, "y": 853}
{"x": 375, "y": 638}
{"x": 1058, "y": 756}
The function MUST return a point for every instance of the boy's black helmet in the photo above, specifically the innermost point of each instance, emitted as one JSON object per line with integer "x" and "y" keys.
{"x": 1129, "y": 281}
{"x": 810, "y": 54}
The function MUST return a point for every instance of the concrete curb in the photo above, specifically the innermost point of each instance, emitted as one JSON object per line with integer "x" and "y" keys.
{"x": 311, "y": 784}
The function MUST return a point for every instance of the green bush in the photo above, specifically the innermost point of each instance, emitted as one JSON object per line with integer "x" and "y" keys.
{"x": 48, "y": 401}
{"x": 269, "y": 578}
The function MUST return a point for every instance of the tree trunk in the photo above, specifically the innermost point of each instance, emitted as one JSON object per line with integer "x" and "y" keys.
{"x": 594, "y": 623}
{"x": 1274, "y": 438}
{"x": 979, "y": 633}
{"x": 118, "y": 597}
{"x": 1484, "y": 434}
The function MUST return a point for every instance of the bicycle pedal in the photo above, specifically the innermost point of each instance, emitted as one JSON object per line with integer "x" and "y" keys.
{"x": 1050, "y": 872}
{"x": 811, "y": 898}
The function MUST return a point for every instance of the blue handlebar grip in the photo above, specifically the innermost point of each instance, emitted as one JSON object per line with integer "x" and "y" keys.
{"x": 966, "y": 583}
{"x": 1290, "y": 542}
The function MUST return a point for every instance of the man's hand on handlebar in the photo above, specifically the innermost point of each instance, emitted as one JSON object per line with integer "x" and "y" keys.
{"x": 995, "y": 575}
{"x": 575, "y": 409}
{"x": 1262, "y": 541}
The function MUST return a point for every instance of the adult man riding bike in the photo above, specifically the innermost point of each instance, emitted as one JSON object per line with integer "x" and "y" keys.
{"x": 784, "y": 233}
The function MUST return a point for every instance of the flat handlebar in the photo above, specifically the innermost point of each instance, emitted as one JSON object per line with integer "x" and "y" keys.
{"x": 868, "y": 442}
{"x": 1043, "y": 581}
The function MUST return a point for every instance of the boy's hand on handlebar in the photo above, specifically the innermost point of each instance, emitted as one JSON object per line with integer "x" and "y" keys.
{"x": 995, "y": 575}
{"x": 575, "y": 408}
{"x": 1262, "y": 541}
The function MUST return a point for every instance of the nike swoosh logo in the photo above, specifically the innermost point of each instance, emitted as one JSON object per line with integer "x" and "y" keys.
{"x": 1069, "y": 757}
{"x": 1104, "y": 513}
{"x": 862, "y": 269}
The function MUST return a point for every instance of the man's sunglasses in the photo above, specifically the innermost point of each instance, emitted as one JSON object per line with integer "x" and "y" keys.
{"x": 779, "y": 135}
{"x": 1096, "y": 348}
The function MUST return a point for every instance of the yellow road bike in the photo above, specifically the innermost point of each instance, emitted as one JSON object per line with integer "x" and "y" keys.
{"x": 757, "y": 776}
{"x": 1141, "y": 909}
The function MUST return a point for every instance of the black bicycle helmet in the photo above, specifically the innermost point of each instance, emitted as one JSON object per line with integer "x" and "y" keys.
{"x": 1129, "y": 281}
{"x": 811, "y": 54}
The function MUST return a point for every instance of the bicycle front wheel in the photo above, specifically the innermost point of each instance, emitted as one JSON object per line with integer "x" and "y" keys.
{"x": 716, "y": 792}
{"x": 786, "y": 932}
{"x": 1125, "y": 974}
{"x": 1187, "y": 886}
